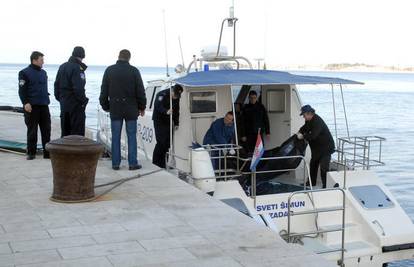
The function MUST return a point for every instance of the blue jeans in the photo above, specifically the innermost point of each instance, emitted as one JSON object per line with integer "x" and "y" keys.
{"x": 131, "y": 129}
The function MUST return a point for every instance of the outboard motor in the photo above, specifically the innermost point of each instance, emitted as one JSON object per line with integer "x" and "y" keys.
{"x": 291, "y": 147}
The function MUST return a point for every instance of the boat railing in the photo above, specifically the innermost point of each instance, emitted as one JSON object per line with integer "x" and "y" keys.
{"x": 360, "y": 151}
{"x": 222, "y": 153}
{"x": 236, "y": 59}
{"x": 253, "y": 174}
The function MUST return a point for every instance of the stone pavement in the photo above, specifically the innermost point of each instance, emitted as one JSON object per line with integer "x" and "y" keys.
{"x": 157, "y": 220}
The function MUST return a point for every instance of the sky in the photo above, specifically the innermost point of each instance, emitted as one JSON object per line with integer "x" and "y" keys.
{"x": 289, "y": 32}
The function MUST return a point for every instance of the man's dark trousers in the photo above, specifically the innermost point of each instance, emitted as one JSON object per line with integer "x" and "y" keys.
{"x": 39, "y": 117}
{"x": 321, "y": 161}
{"x": 73, "y": 122}
{"x": 162, "y": 135}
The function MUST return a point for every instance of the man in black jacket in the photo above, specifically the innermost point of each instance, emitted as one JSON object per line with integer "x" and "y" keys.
{"x": 70, "y": 92}
{"x": 35, "y": 99}
{"x": 254, "y": 116}
{"x": 161, "y": 118}
{"x": 322, "y": 145}
{"x": 123, "y": 95}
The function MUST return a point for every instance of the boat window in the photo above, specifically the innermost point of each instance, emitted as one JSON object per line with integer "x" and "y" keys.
{"x": 152, "y": 95}
{"x": 203, "y": 102}
{"x": 276, "y": 100}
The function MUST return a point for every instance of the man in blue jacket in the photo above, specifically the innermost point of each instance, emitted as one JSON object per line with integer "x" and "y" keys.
{"x": 35, "y": 99}
{"x": 220, "y": 132}
{"x": 70, "y": 92}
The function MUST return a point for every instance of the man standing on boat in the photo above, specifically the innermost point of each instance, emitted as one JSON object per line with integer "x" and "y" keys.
{"x": 322, "y": 145}
{"x": 70, "y": 92}
{"x": 123, "y": 95}
{"x": 254, "y": 116}
{"x": 35, "y": 99}
{"x": 161, "y": 118}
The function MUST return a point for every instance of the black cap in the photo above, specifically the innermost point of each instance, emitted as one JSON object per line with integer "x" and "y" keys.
{"x": 78, "y": 51}
{"x": 306, "y": 108}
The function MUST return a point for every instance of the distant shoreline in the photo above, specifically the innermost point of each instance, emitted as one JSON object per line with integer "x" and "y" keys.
{"x": 356, "y": 68}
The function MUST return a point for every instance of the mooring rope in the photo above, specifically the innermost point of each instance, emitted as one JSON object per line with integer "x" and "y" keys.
{"x": 115, "y": 184}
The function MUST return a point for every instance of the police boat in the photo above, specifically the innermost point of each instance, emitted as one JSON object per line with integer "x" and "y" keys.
{"x": 355, "y": 221}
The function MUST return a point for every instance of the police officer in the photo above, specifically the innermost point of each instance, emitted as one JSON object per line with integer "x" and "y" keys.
{"x": 161, "y": 118}
{"x": 35, "y": 99}
{"x": 70, "y": 92}
{"x": 321, "y": 143}
{"x": 123, "y": 95}
{"x": 255, "y": 117}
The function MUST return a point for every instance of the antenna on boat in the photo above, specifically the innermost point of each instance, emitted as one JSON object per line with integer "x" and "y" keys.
{"x": 231, "y": 23}
{"x": 181, "y": 50}
{"x": 165, "y": 43}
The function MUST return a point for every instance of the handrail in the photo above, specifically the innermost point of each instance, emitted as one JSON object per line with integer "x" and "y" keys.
{"x": 364, "y": 151}
{"x": 316, "y": 211}
{"x": 221, "y": 59}
{"x": 380, "y": 226}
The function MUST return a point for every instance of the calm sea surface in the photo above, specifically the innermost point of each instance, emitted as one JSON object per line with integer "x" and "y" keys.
{"x": 383, "y": 106}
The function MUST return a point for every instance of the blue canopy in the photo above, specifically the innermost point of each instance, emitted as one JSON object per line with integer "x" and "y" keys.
{"x": 253, "y": 77}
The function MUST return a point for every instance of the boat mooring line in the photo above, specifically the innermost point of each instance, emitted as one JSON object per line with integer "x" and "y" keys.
{"x": 115, "y": 184}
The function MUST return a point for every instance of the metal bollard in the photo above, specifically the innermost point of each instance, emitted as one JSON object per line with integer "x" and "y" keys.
{"x": 74, "y": 159}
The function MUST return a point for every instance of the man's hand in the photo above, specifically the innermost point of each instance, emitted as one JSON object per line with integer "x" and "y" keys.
{"x": 28, "y": 108}
{"x": 244, "y": 138}
{"x": 142, "y": 112}
{"x": 169, "y": 111}
{"x": 299, "y": 136}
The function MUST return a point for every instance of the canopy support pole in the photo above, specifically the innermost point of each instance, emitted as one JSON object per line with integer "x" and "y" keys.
{"x": 334, "y": 112}
{"x": 343, "y": 105}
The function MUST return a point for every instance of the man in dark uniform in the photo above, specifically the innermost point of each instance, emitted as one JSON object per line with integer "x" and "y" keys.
{"x": 70, "y": 92}
{"x": 254, "y": 117}
{"x": 161, "y": 118}
{"x": 320, "y": 141}
{"x": 123, "y": 95}
{"x": 35, "y": 99}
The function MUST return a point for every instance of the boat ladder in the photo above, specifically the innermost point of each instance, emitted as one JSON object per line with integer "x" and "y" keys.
{"x": 291, "y": 236}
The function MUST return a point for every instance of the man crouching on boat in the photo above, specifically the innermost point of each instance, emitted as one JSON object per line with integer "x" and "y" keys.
{"x": 320, "y": 141}
{"x": 220, "y": 132}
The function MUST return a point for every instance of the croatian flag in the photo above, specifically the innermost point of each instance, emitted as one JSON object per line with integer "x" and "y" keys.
{"x": 258, "y": 152}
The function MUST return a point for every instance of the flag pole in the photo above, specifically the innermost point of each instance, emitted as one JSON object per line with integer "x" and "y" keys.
{"x": 254, "y": 177}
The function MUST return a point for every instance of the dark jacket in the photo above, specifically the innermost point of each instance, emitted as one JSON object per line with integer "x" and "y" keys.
{"x": 162, "y": 105}
{"x": 255, "y": 117}
{"x": 219, "y": 133}
{"x": 122, "y": 91}
{"x": 33, "y": 86}
{"x": 70, "y": 85}
{"x": 319, "y": 137}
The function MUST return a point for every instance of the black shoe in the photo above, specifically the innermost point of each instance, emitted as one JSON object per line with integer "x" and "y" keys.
{"x": 115, "y": 168}
{"x": 46, "y": 155}
{"x": 136, "y": 167}
{"x": 30, "y": 157}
